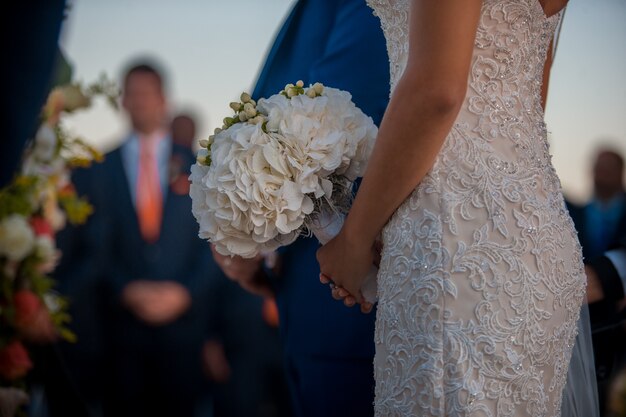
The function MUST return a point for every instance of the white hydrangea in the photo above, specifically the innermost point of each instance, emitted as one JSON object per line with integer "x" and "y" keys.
{"x": 17, "y": 238}
{"x": 260, "y": 187}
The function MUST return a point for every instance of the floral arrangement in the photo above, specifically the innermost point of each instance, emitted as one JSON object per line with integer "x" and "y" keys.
{"x": 33, "y": 207}
{"x": 280, "y": 168}
{"x": 261, "y": 179}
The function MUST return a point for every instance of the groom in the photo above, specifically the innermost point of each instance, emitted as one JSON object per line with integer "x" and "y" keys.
{"x": 329, "y": 348}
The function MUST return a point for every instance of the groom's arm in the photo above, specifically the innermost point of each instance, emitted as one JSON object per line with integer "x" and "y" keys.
{"x": 355, "y": 58}
{"x": 251, "y": 274}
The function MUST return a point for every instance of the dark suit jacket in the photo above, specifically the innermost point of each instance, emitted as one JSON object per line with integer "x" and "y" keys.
{"x": 338, "y": 43}
{"x": 579, "y": 217}
{"x": 607, "y": 323}
{"x": 30, "y": 33}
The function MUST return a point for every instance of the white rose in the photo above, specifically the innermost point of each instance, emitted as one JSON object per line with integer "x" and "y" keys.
{"x": 16, "y": 237}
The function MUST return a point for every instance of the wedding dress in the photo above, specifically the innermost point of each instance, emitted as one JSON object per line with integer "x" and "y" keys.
{"x": 481, "y": 280}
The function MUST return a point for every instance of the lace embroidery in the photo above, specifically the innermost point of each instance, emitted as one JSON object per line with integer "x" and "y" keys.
{"x": 481, "y": 280}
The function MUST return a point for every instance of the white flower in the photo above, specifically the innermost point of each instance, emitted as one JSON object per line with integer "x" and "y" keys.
{"x": 43, "y": 158}
{"x": 52, "y": 302}
{"x": 46, "y": 250}
{"x": 16, "y": 237}
{"x": 246, "y": 202}
{"x": 45, "y": 143}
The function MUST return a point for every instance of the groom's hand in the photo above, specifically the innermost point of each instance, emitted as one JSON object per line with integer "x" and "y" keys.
{"x": 248, "y": 273}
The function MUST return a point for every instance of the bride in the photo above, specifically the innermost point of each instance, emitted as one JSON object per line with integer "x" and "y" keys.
{"x": 481, "y": 278}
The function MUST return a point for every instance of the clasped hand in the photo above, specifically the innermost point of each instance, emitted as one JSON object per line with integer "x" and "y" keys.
{"x": 344, "y": 265}
{"x": 156, "y": 302}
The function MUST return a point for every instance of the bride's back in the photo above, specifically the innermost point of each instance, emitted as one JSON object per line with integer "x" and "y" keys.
{"x": 482, "y": 278}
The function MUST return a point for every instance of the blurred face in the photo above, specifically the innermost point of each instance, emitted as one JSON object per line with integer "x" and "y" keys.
{"x": 607, "y": 175}
{"x": 183, "y": 130}
{"x": 144, "y": 101}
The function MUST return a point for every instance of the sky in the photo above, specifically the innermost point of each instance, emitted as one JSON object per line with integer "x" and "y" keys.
{"x": 212, "y": 50}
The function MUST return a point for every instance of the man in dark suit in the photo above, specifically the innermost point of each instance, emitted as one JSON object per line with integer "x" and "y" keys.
{"x": 329, "y": 348}
{"x": 601, "y": 226}
{"x": 141, "y": 246}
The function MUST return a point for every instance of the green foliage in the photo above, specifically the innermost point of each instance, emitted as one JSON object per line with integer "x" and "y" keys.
{"x": 17, "y": 197}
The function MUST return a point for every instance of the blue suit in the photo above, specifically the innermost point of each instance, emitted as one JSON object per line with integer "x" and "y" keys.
{"x": 329, "y": 348}
{"x": 154, "y": 371}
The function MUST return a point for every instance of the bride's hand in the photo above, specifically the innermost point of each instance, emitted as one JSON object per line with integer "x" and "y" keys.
{"x": 345, "y": 264}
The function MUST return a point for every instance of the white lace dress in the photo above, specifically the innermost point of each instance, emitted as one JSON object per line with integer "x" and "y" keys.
{"x": 481, "y": 279}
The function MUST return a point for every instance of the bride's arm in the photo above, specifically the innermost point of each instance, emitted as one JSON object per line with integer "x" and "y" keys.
{"x": 421, "y": 112}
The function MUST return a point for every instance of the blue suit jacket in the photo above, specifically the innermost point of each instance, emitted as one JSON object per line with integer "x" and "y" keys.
{"x": 340, "y": 44}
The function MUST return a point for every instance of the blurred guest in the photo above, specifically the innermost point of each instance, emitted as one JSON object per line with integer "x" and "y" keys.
{"x": 329, "y": 349}
{"x": 184, "y": 131}
{"x": 602, "y": 221}
{"x": 141, "y": 246}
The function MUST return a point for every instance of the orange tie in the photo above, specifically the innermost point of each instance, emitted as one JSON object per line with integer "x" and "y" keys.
{"x": 149, "y": 196}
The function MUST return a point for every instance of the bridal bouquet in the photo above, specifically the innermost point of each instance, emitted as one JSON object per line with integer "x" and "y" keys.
{"x": 280, "y": 168}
